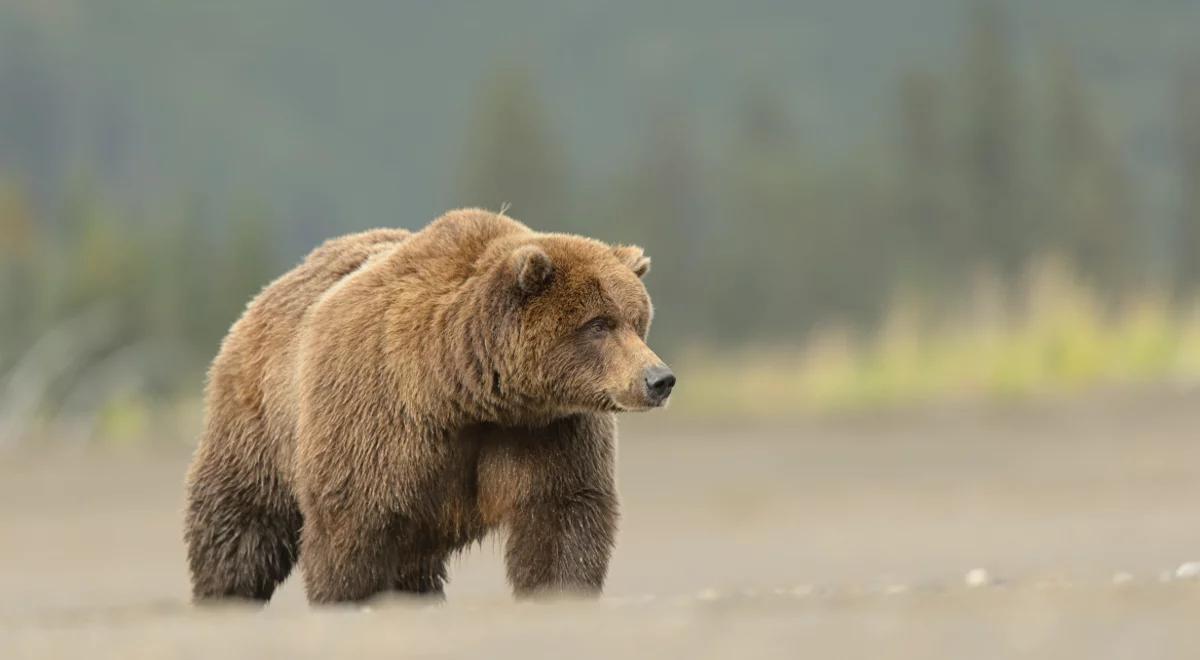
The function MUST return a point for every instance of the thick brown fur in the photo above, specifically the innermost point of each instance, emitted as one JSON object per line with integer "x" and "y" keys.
{"x": 398, "y": 396}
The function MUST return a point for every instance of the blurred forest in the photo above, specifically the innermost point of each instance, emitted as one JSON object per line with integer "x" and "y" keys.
{"x": 857, "y": 174}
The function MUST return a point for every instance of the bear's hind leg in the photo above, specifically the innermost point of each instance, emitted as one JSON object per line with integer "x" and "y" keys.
{"x": 242, "y": 541}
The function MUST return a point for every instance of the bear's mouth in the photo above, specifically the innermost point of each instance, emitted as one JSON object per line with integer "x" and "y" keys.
{"x": 613, "y": 405}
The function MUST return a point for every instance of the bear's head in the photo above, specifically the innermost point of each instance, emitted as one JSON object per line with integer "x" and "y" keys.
{"x": 578, "y": 315}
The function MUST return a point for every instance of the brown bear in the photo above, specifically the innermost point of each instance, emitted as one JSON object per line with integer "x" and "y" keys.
{"x": 399, "y": 395}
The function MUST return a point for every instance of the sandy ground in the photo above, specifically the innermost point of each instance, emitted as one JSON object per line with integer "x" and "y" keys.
{"x": 846, "y": 538}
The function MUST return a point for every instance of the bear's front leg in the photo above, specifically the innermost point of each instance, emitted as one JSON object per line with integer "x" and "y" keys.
{"x": 563, "y": 516}
{"x": 351, "y": 541}
{"x": 423, "y": 573}
{"x": 562, "y": 544}
{"x": 348, "y": 560}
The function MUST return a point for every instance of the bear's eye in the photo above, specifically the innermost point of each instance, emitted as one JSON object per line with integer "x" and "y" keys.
{"x": 599, "y": 325}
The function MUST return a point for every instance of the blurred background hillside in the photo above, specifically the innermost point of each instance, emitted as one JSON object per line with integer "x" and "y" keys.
{"x": 849, "y": 204}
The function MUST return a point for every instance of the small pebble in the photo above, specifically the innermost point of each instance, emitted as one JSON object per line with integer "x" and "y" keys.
{"x": 709, "y": 594}
{"x": 1188, "y": 571}
{"x": 977, "y": 577}
{"x": 1122, "y": 578}
{"x": 895, "y": 589}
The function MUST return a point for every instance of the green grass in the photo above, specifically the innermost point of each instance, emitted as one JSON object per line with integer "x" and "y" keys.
{"x": 1051, "y": 336}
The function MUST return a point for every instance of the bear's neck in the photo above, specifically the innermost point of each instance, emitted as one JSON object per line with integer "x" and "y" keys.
{"x": 455, "y": 359}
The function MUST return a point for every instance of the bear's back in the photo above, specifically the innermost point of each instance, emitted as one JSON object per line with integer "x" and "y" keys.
{"x": 296, "y": 291}
{"x": 253, "y": 371}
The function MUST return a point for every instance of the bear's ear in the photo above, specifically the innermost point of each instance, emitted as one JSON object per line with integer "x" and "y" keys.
{"x": 533, "y": 268}
{"x": 634, "y": 257}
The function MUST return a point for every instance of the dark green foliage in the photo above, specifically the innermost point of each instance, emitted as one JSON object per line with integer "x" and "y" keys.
{"x": 512, "y": 155}
{"x": 106, "y": 280}
{"x": 1186, "y": 245}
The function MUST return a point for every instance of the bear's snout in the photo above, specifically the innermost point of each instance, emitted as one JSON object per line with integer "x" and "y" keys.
{"x": 660, "y": 380}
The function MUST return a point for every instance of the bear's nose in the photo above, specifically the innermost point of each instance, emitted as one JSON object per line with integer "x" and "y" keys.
{"x": 659, "y": 381}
